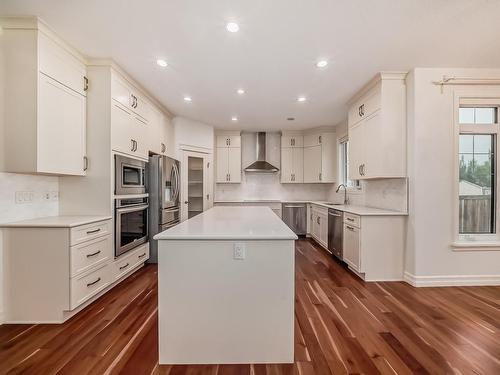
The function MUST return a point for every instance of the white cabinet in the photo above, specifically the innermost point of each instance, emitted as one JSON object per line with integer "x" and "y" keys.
{"x": 158, "y": 132}
{"x": 292, "y": 140}
{"x": 130, "y": 97}
{"x": 228, "y": 162}
{"x": 377, "y": 129}
{"x": 319, "y": 224}
{"x": 352, "y": 247}
{"x": 320, "y": 159}
{"x": 44, "y": 122}
{"x": 292, "y": 165}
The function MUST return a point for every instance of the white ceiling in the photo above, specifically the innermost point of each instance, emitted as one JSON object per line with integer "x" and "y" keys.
{"x": 273, "y": 55}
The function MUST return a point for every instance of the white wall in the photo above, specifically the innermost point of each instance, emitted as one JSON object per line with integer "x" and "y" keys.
{"x": 267, "y": 186}
{"x": 192, "y": 133}
{"x": 10, "y": 211}
{"x": 431, "y": 160}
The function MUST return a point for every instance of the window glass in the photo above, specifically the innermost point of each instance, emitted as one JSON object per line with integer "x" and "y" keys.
{"x": 344, "y": 160}
{"x": 476, "y": 184}
{"x": 477, "y": 115}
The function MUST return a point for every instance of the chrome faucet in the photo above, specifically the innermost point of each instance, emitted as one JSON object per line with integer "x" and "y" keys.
{"x": 346, "y": 201}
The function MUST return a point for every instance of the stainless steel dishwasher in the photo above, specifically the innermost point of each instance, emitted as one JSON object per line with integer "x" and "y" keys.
{"x": 336, "y": 232}
{"x": 295, "y": 216}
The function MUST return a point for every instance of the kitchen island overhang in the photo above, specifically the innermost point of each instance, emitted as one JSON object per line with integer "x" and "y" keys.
{"x": 226, "y": 289}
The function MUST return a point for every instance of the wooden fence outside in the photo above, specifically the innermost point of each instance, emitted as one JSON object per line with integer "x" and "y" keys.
{"x": 475, "y": 214}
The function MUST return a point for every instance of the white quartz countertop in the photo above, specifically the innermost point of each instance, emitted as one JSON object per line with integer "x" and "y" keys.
{"x": 55, "y": 222}
{"x": 353, "y": 209}
{"x": 231, "y": 223}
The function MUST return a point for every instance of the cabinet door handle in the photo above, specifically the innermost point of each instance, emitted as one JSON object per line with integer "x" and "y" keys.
{"x": 94, "y": 254}
{"x": 135, "y": 149}
{"x": 350, "y": 219}
{"x": 229, "y": 139}
{"x": 142, "y": 255}
{"x": 85, "y": 163}
{"x": 132, "y": 145}
{"x": 319, "y": 139}
{"x": 124, "y": 266}
{"x": 359, "y": 170}
{"x": 229, "y": 176}
{"x": 350, "y": 228}
{"x": 85, "y": 83}
{"x": 318, "y": 219}
{"x": 94, "y": 231}
{"x": 363, "y": 169}
{"x": 320, "y": 176}
{"x": 94, "y": 282}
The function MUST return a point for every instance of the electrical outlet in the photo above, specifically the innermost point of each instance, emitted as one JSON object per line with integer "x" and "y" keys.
{"x": 46, "y": 196}
{"x": 54, "y": 195}
{"x": 239, "y": 251}
{"x": 24, "y": 197}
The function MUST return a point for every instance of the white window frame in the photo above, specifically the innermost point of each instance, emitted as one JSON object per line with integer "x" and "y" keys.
{"x": 488, "y": 97}
{"x": 350, "y": 189}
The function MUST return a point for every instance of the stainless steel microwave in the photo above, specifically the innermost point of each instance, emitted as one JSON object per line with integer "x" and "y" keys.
{"x": 130, "y": 176}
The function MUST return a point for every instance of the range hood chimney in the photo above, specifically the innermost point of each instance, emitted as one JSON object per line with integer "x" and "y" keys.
{"x": 261, "y": 164}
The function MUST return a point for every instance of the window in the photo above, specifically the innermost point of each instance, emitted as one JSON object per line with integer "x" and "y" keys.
{"x": 344, "y": 165}
{"x": 477, "y": 164}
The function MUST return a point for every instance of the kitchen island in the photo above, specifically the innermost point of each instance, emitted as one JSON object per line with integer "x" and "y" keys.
{"x": 226, "y": 288}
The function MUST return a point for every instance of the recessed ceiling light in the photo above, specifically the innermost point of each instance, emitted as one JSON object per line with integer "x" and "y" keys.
{"x": 240, "y": 91}
{"x": 321, "y": 63}
{"x": 187, "y": 99}
{"x": 301, "y": 99}
{"x": 161, "y": 63}
{"x": 234, "y": 118}
{"x": 232, "y": 27}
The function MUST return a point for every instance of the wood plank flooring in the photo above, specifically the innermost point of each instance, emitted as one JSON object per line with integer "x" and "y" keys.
{"x": 342, "y": 326}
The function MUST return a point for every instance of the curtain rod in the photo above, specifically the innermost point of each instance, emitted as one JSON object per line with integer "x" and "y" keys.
{"x": 447, "y": 80}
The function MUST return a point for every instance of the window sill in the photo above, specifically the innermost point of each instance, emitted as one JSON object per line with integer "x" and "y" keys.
{"x": 476, "y": 246}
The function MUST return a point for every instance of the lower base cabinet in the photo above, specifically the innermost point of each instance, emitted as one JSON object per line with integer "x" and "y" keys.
{"x": 319, "y": 224}
{"x": 53, "y": 272}
{"x": 352, "y": 247}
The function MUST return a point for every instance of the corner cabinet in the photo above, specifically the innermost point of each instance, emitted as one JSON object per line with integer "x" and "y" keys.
{"x": 320, "y": 158}
{"x": 377, "y": 129}
{"x": 292, "y": 159}
{"x": 228, "y": 159}
{"x": 45, "y": 83}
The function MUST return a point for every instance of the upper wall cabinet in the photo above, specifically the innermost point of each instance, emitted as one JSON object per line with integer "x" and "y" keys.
{"x": 228, "y": 162}
{"x": 292, "y": 140}
{"x": 45, "y": 83}
{"x": 320, "y": 157}
{"x": 292, "y": 158}
{"x": 377, "y": 129}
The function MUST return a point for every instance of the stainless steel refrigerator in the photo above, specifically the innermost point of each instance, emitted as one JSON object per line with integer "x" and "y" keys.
{"x": 164, "y": 188}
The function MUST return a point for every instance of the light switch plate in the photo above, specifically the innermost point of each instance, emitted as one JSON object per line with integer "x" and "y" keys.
{"x": 239, "y": 251}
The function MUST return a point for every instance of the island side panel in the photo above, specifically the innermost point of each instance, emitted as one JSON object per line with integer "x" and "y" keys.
{"x": 217, "y": 309}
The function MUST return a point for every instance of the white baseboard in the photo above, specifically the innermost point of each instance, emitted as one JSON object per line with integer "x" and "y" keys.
{"x": 451, "y": 280}
{"x": 2, "y": 318}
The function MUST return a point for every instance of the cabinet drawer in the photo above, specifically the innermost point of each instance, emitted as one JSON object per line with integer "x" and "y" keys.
{"x": 57, "y": 63}
{"x": 364, "y": 107}
{"x": 86, "y": 286}
{"x": 89, "y": 232}
{"x": 351, "y": 219}
{"x": 130, "y": 261}
{"x": 90, "y": 254}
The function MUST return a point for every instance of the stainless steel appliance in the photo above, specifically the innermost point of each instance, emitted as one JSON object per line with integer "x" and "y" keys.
{"x": 336, "y": 232}
{"x": 131, "y": 223}
{"x": 164, "y": 187}
{"x": 129, "y": 176}
{"x": 261, "y": 164}
{"x": 295, "y": 216}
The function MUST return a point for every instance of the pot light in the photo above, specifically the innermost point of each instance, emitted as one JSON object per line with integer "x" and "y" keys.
{"x": 240, "y": 91}
{"x": 232, "y": 27}
{"x": 188, "y": 99}
{"x": 162, "y": 63}
{"x": 301, "y": 99}
{"x": 234, "y": 118}
{"x": 321, "y": 63}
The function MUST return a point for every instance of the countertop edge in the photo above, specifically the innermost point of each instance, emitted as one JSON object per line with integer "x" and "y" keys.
{"x": 32, "y": 223}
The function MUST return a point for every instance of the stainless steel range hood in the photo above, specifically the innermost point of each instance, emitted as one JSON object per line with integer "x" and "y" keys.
{"x": 261, "y": 164}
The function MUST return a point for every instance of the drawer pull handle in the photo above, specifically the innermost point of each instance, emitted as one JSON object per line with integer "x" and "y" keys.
{"x": 94, "y": 231}
{"x": 125, "y": 266}
{"x": 94, "y": 282}
{"x": 142, "y": 255}
{"x": 93, "y": 254}
{"x": 350, "y": 219}
{"x": 350, "y": 228}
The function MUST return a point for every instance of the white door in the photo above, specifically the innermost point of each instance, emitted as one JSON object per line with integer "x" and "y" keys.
{"x": 352, "y": 247}
{"x": 286, "y": 164}
{"x": 356, "y": 150}
{"x": 323, "y": 230}
{"x": 222, "y": 164}
{"x": 312, "y": 163}
{"x": 234, "y": 164}
{"x": 61, "y": 128}
{"x": 298, "y": 164}
{"x": 234, "y": 141}
{"x": 140, "y": 136}
{"x": 122, "y": 129}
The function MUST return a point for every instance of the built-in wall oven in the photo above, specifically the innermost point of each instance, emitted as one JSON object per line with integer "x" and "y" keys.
{"x": 131, "y": 223}
{"x": 130, "y": 176}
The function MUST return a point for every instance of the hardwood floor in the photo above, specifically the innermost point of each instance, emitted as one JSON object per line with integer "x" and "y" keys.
{"x": 343, "y": 325}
